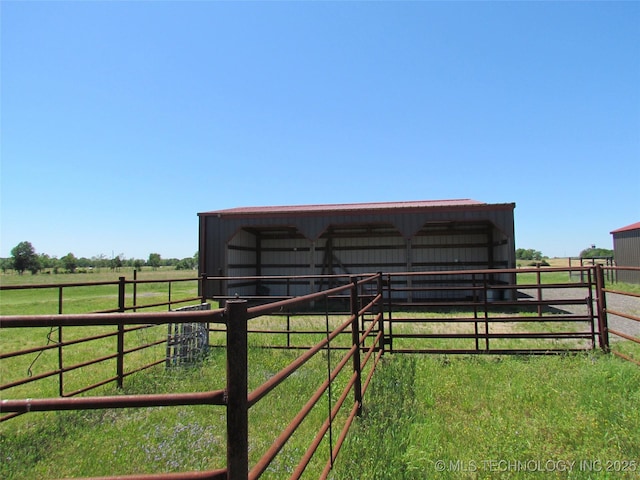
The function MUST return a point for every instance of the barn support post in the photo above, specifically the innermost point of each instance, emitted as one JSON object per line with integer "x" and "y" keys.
{"x": 312, "y": 265}
{"x": 121, "y": 308}
{"x": 237, "y": 390}
{"x": 603, "y": 324}
{"x": 409, "y": 267}
{"x": 355, "y": 340}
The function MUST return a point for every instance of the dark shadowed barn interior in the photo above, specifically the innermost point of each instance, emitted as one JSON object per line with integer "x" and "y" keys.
{"x": 349, "y": 239}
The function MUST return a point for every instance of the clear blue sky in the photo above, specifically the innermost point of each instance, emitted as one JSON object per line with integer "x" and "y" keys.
{"x": 122, "y": 120}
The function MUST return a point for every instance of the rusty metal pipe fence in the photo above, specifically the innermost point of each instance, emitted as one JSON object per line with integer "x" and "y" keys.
{"x": 623, "y": 316}
{"x": 126, "y": 301}
{"x": 480, "y": 311}
{"x": 477, "y": 311}
{"x": 120, "y": 292}
{"x": 234, "y": 397}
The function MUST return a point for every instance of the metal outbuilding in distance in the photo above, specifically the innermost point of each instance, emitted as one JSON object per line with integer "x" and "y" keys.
{"x": 431, "y": 235}
{"x": 626, "y": 251}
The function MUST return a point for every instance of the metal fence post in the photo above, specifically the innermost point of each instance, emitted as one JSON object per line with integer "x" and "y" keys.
{"x": 603, "y": 323}
{"x": 121, "y": 308}
{"x": 135, "y": 288}
{"x": 60, "y": 358}
{"x": 60, "y": 363}
{"x": 237, "y": 390}
{"x": 539, "y": 283}
{"x": 203, "y": 289}
{"x": 355, "y": 340}
{"x": 380, "y": 309}
{"x": 390, "y": 313}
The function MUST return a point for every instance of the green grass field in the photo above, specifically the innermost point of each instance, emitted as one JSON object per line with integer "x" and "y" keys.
{"x": 85, "y": 299}
{"x": 424, "y": 416}
{"x": 498, "y": 417}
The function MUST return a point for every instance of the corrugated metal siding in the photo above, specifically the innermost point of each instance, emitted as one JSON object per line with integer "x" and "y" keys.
{"x": 286, "y": 257}
{"x": 418, "y": 241}
{"x": 626, "y": 246}
{"x": 241, "y": 261}
{"x": 369, "y": 255}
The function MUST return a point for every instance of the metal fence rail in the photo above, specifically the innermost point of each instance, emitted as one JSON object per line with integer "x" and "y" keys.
{"x": 630, "y": 318}
{"x": 120, "y": 288}
{"x": 235, "y": 396}
{"x": 58, "y": 337}
{"x": 215, "y": 397}
{"x": 474, "y": 316}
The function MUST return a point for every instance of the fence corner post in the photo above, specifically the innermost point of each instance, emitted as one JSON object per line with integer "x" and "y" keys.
{"x": 355, "y": 340}
{"x": 237, "y": 390}
{"x": 603, "y": 323}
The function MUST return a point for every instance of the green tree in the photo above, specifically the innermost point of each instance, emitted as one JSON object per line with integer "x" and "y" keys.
{"x": 45, "y": 261}
{"x": 100, "y": 261}
{"x": 154, "y": 260}
{"x": 528, "y": 254}
{"x": 25, "y": 258}
{"x": 70, "y": 262}
{"x": 187, "y": 263}
{"x": 56, "y": 263}
{"x": 594, "y": 252}
{"x": 116, "y": 263}
{"x": 138, "y": 264}
{"x": 170, "y": 262}
{"x": 84, "y": 262}
{"x": 6, "y": 264}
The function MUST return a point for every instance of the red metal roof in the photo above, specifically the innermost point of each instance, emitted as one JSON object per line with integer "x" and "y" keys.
{"x": 633, "y": 226}
{"x": 350, "y": 207}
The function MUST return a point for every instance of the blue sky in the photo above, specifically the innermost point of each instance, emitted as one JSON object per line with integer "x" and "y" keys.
{"x": 122, "y": 120}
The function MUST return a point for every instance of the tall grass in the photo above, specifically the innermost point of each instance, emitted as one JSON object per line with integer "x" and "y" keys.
{"x": 169, "y": 439}
{"x": 424, "y": 416}
{"x": 420, "y": 413}
{"x": 477, "y": 417}
{"x": 110, "y": 441}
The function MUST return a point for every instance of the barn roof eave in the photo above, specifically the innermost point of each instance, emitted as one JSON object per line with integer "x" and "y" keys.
{"x": 358, "y": 208}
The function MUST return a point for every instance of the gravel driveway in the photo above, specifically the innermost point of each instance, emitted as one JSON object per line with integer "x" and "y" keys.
{"x": 624, "y": 304}
{"x": 617, "y": 302}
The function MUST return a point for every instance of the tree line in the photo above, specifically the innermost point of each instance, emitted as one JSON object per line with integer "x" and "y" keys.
{"x": 25, "y": 259}
{"x": 538, "y": 258}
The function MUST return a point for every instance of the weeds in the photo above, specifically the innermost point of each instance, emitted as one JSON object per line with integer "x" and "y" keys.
{"x": 469, "y": 413}
{"x": 423, "y": 416}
